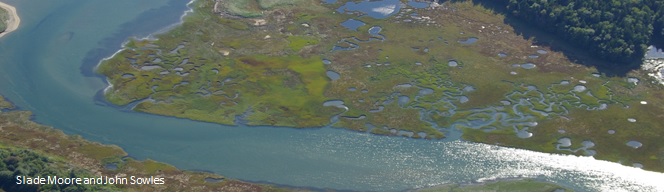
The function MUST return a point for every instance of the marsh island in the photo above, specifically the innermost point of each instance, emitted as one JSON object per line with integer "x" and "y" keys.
{"x": 424, "y": 70}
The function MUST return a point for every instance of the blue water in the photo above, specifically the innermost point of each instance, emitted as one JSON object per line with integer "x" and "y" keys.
{"x": 330, "y": 1}
{"x": 418, "y": 4}
{"x": 332, "y": 75}
{"x": 469, "y": 41}
{"x": 379, "y": 9}
{"x": 352, "y": 24}
{"x": 47, "y": 69}
{"x": 375, "y": 30}
{"x": 654, "y": 53}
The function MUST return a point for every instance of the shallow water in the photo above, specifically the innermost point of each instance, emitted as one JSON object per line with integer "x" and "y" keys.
{"x": 654, "y": 53}
{"x": 452, "y": 63}
{"x": 565, "y": 142}
{"x": 403, "y": 100}
{"x": 463, "y": 99}
{"x": 335, "y": 103}
{"x": 406, "y": 85}
{"x": 524, "y": 134}
{"x": 579, "y": 88}
{"x": 151, "y": 67}
{"x": 425, "y": 91}
{"x": 588, "y": 144}
{"x": 378, "y": 9}
{"x": 374, "y": 30}
{"x": 352, "y": 24}
{"x": 333, "y": 75}
{"x": 127, "y": 75}
{"x": 111, "y": 166}
{"x": 528, "y": 66}
{"x": 632, "y": 80}
{"x": 418, "y": 4}
{"x": 45, "y": 73}
{"x": 469, "y": 41}
{"x": 637, "y": 165}
{"x": 634, "y": 144}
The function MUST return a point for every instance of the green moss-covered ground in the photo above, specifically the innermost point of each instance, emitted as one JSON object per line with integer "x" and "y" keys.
{"x": 262, "y": 63}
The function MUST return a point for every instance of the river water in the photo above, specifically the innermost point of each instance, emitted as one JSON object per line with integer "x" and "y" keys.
{"x": 46, "y": 68}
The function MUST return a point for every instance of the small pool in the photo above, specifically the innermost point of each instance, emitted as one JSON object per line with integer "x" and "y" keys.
{"x": 528, "y": 66}
{"x": 333, "y": 75}
{"x": 469, "y": 41}
{"x": 375, "y": 30}
{"x": 376, "y": 9}
{"x": 565, "y": 142}
{"x": 579, "y": 88}
{"x": 452, "y": 63}
{"x": 353, "y": 24}
{"x": 634, "y": 144}
{"x": 418, "y": 4}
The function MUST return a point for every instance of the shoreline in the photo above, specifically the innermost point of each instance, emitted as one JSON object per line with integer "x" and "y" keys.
{"x": 497, "y": 185}
{"x": 3, "y": 33}
{"x": 123, "y": 46}
{"x": 199, "y": 120}
{"x": 13, "y": 22}
{"x": 114, "y": 154}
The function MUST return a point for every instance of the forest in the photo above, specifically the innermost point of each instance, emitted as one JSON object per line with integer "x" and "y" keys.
{"x": 615, "y": 30}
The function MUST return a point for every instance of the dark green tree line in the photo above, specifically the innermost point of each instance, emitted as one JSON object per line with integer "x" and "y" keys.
{"x": 617, "y": 30}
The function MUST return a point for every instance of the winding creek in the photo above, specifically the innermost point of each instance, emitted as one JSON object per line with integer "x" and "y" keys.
{"x": 47, "y": 69}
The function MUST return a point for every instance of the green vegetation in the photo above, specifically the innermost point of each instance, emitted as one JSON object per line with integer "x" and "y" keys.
{"x": 615, "y": 30}
{"x": 269, "y": 4}
{"x": 254, "y": 8}
{"x": 659, "y": 19}
{"x": 4, "y": 16}
{"x": 30, "y": 149}
{"x": 195, "y": 77}
{"x": 500, "y": 186}
{"x": 415, "y": 79}
{"x": 4, "y": 104}
{"x": 21, "y": 162}
{"x": 244, "y": 8}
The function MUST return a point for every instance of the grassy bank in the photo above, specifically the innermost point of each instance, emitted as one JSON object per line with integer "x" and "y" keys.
{"x": 31, "y": 149}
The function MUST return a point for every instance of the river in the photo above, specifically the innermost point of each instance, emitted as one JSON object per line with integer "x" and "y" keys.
{"x": 46, "y": 68}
